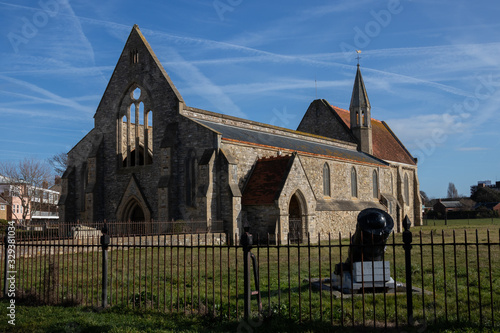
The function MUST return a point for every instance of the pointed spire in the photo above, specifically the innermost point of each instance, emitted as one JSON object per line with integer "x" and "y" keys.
{"x": 360, "y": 115}
{"x": 359, "y": 98}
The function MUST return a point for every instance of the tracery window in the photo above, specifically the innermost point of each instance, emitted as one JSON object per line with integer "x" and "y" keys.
{"x": 135, "y": 129}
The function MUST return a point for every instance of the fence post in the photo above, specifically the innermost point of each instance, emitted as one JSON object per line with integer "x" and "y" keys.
{"x": 407, "y": 239}
{"x": 246, "y": 242}
{"x": 105, "y": 243}
{"x": 5, "y": 263}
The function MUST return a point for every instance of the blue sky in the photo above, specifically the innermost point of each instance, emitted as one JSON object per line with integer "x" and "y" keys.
{"x": 431, "y": 69}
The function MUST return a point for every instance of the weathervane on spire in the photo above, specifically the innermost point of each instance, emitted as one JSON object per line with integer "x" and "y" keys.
{"x": 358, "y": 57}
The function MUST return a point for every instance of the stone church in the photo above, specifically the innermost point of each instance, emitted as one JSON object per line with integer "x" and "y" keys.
{"x": 150, "y": 156}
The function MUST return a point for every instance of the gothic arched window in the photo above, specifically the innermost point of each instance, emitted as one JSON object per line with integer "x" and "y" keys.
{"x": 191, "y": 165}
{"x": 407, "y": 189}
{"x": 326, "y": 180}
{"x": 392, "y": 184}
{"x": 354, "y": 183}
{"x": 375, "y": 184}
{"x": 135, "y": 136}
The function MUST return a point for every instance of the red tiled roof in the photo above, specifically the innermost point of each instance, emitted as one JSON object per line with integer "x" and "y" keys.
{"x": 386, "y": 145}
{"x": 266, "y": 180}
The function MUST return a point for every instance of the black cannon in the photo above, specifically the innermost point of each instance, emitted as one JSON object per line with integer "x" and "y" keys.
{"x": 373, "y": 228}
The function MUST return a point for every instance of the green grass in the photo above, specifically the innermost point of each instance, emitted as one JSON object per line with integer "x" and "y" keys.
{"x": 463, "y": 223}
{"x": 198, "y": 289}
{"x": 55, "y": 319}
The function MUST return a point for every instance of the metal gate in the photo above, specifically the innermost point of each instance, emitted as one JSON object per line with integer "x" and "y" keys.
{"x": 295, "y": 230}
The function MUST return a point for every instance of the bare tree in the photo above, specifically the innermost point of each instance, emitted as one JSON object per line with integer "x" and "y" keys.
{"x": 59, "y": 163}
{"x": 467, "y": 204}
{"x": 424, "y": 197}
{"x": 452, "y": 191}
{"x": 24, "y": 180}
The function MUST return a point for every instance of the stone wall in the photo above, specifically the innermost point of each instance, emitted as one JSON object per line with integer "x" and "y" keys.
{"x": 319, "y": 112}
{"x": 335, "y": 222}
{"x": 92, "y": 244}
{"x": 262, "y": 221}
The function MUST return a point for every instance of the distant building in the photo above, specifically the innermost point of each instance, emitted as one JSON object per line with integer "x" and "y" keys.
{"x": 489, "y": 205}
{"x": 3, "y": 209}
{"x": 445, "y": 206}
{"x": 41, "y": 208}
{"x": 484, "y": 183}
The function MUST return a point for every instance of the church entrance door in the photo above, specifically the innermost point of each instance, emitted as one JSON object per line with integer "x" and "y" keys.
{"x": 133, "y": 212}
{"x": 295, "y": 221}
{"x": 137, "y": 215}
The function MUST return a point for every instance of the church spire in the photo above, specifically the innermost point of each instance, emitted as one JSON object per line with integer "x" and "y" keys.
{"x": 359, "y": 97}
{"x": 360, "y": 114}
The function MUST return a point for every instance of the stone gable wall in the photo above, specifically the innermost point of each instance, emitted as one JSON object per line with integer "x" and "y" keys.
{"x": 320, "y": 120}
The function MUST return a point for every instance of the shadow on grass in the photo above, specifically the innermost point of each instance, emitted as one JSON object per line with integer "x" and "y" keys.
{"x": 60, "y": 319}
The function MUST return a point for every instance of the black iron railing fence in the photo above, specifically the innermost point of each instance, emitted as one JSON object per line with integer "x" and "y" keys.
{"x": 455, "y": 276}
{"x": 83, "y": 230}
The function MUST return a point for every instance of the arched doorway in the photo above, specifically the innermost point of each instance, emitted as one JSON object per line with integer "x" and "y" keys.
{"x": 133, "y": 212}
{"x": 136, "y": 214}
{"x": 296, "y": 227}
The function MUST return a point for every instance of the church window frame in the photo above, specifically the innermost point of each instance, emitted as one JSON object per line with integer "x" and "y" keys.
{"x": 406, "y": 189}
{"x": 326, "y": 180}
{"x": 392, "y": 183}
{"x": 84, "y": 182}
{"x": 134, "y": 57}
{"x": 135, "y": 136}
{"x": 191, "y": 176}
{"x": 354, "y": 183}
{"x": 375, "y": 184}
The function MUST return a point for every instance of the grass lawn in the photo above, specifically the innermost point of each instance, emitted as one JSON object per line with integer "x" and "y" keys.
{"x": 201, "y": 289}
{"x": 462, "y": 223}
{"x": 59, "y": 319}
{"x": 55, "y": 319}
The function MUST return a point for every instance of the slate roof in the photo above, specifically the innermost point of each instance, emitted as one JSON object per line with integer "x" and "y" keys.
{"x": 489, "y": 205}
{"x": 451, "y": 204}
{"x": 386, "y": 145}
{"x": 239, "y": 134}
{"x": 267, "y": 179}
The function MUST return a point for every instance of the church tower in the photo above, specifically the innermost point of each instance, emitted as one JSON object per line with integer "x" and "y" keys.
{"x": 361, "y": 124}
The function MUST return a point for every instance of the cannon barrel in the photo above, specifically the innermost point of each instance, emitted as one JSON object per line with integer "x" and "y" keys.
{"x": 373, "y": 228}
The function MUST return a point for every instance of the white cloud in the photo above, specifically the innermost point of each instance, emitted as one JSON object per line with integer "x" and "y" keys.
{"x": 434, "y": 127}
{"x": 202, "y": 86}
{"x": 42, "y": 95}
{"x": 472, "y": 148}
